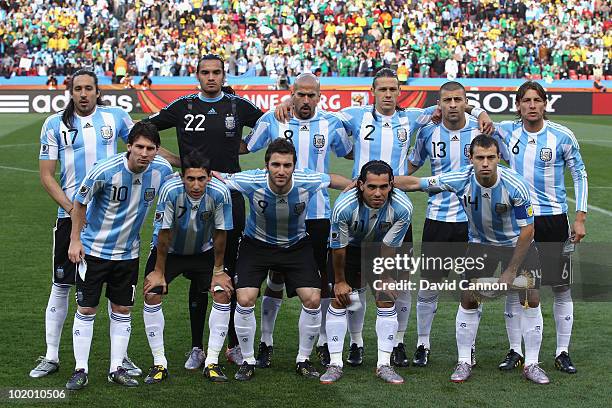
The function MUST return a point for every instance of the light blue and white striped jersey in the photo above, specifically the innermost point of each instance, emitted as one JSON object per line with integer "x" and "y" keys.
{"x": 192, "y": 222}
{"x": 495, "y": 214}
{"x": 353, "y": 222}
{"x": 541, "y": 159}
{"x": 314, "y": 139}
{"x": 120, "y": 201}
{"x": 93, "y": 138}
{"x": 277, "y": 219}
{"x": 379, "y": 137}
{"x": 447, "y": 150}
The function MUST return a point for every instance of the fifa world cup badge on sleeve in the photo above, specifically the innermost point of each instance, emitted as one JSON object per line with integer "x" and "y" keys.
{"x": 159, "y": 215}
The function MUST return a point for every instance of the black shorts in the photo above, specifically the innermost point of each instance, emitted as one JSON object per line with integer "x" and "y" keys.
{"x": 234, "y": 235}
{"x": 551, "y": 232}
{"x": 63, "y": 269}
{"x": 197, "y": 268}
{"x": 296, "y": 263}
{"x": 120, "y": 277}
{"x": 318, "y": 231}
{"x": 442, "y": 239}
{"x": 492, "y": 256}
{"x": 354, "y": 273}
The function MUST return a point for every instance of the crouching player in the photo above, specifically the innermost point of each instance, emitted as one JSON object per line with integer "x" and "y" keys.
{"x": 371, "y": 212}
{"x": 193, "y": 214}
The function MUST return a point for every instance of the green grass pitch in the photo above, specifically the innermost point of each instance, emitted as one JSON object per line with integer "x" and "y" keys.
{"x": 28, "y": 215}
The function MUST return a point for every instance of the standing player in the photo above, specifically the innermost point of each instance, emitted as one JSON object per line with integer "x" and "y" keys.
{"x": 193, "y": 214}
{"x": 315, "y": 134}
{"x": 446, "y": 145}
{"x": 211, "y": 123}
{"x": 275, "y": 238}
{"x": 84, "y": 133}
{"x": 382, "y": 132}
{"x": 105, "y": 243}
{"x": 541, "y": 150}
{"x": 497, "y": 204}
{"x": 371, "y": 212}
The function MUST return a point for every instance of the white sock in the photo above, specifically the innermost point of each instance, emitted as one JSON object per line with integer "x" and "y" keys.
{"x": 154, "y": 322}
{"x": 323, "y": 330}
{"x": 403, "y": 304}
{"x": 245, "y": 325}
{"x": 466, "y": 327}
{"x": 82, "y": 333}
{"x": 269, "y": 310}
{"x": 55, "y": 316}
{"x": 386, "y": 328}
{"x": 512, "y": 314}
{"x": 218, "y": 321}
{"x": 426, "y": 307}
{"x": 109, "y": 308}
{"x": 563, "y": 311}
{"x": 479, "y": 317}
{"x": 120, "y": 329}
{"x": 532, "y": 328}
{"x": 336, "y": 326}
{"x": 355, "y": 320}
{"x": 308, "y": 328}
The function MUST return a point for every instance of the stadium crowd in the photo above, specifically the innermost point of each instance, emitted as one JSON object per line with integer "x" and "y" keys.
{"x": 478, "y": 39}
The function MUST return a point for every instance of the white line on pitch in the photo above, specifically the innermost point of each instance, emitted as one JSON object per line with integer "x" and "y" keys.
{"x": 17, "y": 145}
{"x": 18, "y": 169}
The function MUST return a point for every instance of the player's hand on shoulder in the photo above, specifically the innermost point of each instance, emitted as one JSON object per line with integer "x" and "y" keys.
{"x": 485, "y": 124}
{"x": 436, "y": 117}
{"x": 284, "y": 111}
{"x": 350, "y": 186}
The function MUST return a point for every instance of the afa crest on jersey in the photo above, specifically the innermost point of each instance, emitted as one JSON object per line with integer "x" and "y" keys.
{"x": 501, "y": 208}
{"x": 384, "y": 226}
{"x": 106, "y": 132}
{"x": 205, "y": 216}
{"x": 466, "y": 150}
{"x": 546, "y": 154}
{"x": 149, "y": 194}
{"x": 318, "y": 141}
{"x": 402, "y": 135}
{"x": 230, "y": 122}
{"x": 298, "y": 209}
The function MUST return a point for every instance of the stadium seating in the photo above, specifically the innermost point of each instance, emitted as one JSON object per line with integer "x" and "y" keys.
{"x": 352, "y": 38}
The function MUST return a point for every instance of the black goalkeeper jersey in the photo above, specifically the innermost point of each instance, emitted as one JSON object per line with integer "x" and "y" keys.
{"x": 213, "y": 128}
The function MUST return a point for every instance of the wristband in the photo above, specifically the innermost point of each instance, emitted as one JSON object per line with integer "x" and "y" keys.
{"x": 218, "y": 270}
{"x": 476, "y": 112}
{"x": 70, "y": 210}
